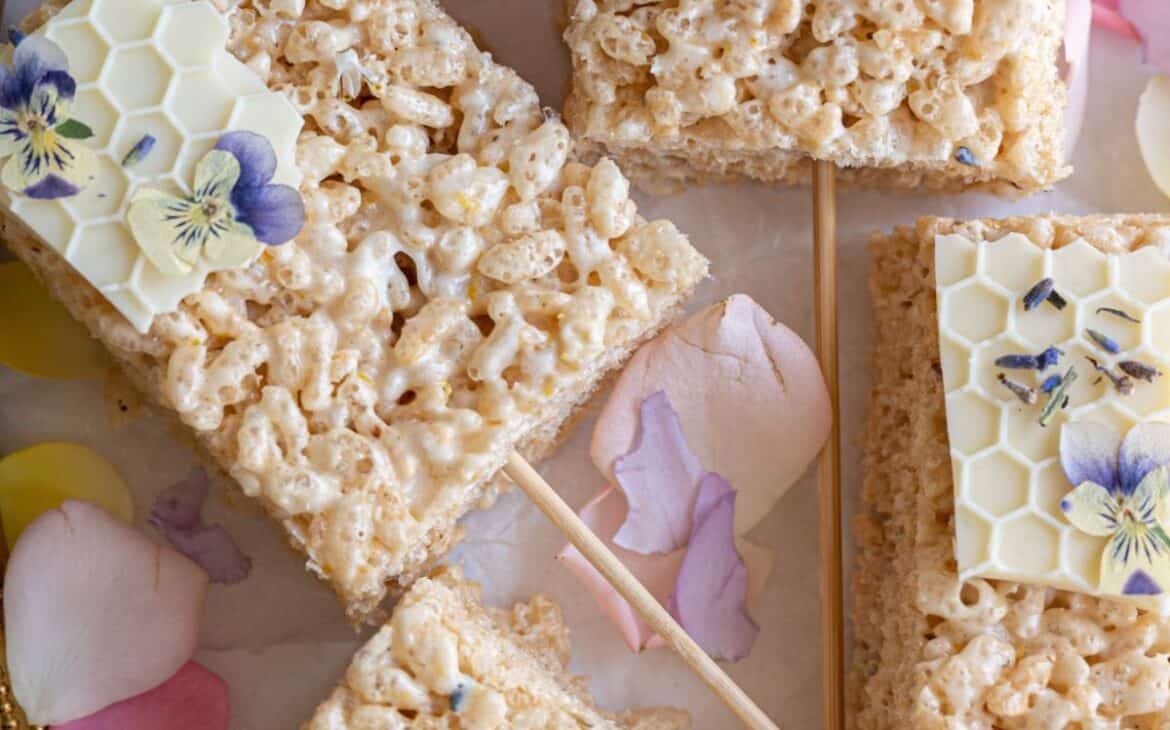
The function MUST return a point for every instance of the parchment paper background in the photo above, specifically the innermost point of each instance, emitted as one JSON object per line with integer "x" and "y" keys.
{"x": 279, "y": 638}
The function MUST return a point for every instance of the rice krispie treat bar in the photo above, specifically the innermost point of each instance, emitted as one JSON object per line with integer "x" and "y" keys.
{"x": 946, "y": 94}
{"x": 932, "y": 651}
{"x": 460, "y": 286}
{"x": 445, "y": 661}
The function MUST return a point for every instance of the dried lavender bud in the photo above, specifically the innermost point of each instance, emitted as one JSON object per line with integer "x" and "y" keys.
{"x": 1120, "y": 313}
{"x": 457, "y": 697}
{"x": 139, "y": 151}
{"x": 1058, "y": 398}
{"x": 1122, "y": 383}
{"x": 15, "y": 36}
{"x": 1048, "y": 358}
{"x": 1105, "y": 342}
{"x": 1023, "y": 392}
{"x": 1043, "y": 361}
{"x": 1050, "y": 384}
{"x": 1038, "y": 294}
{"x": 963, "y": 155}
{"x": 1139, "y": 370}
{"x": 1056, "y": 300}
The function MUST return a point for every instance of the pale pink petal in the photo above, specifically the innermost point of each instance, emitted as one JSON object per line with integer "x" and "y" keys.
{"x": 1153, "y": 141}
{"x": 95, "y": 613}
{"x": 660, "y": 479}
{"x": 603, "y": 514}
{"x": 1151, "y": 19}
{"x": 710, "y": 598}
{"x": 193, "y": 699}
{"x": 1075, "y": 68}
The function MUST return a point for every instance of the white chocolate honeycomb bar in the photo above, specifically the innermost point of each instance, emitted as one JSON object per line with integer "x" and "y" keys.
{"x": 946, "y": 94}
{"x": 932, "y": 650}
{"x": 461, "y": 284}
{"x": 445, "y": 661}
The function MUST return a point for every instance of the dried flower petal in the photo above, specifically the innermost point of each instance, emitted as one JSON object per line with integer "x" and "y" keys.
{"x": 176, "y": 515}
{"x": 660, "y": 478}
{"x": 1023, "y": 392}
{"x": 40, "y": 478}
{"x": 1051, "y": 383}
{"x": 139, "y": 151}
{"x": 963, "y": 155}
{"x": 193, "y": 699}
{"x": 1152, "y": 113}
{"x": 1139, "y": 370}
{"x": 1152, "y": 22}
{"x": 39, "y": 337}
{"x": 95, "y": 613}
{"x": 710, "y": 599}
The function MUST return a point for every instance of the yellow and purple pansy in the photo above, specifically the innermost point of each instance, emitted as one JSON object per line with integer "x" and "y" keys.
{"x": 231, "y": 213}
{"x": 1121, "y": 491}
{"x": 45, "y": 156}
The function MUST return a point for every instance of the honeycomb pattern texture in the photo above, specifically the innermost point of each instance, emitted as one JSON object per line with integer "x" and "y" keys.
{"x": 155, "y": 67}
{"x": 1007, "y": 472}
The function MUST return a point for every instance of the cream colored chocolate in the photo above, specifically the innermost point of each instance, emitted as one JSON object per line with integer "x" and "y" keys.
{"x": 749, "y": 395}
{"x": 931, "y": 650}
{"x": 946, "y": 94}
{"x": 142, "y": 68}
{"x": 1008, "y": 478}
{"x": 460, "y": 286}
{"x": 445, "y": 661}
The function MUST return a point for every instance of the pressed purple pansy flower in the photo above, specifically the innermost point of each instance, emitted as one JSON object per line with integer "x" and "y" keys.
{"x": 45, "y": 158}
{"x": 1122, "y": 491}
{"x": 176, "y": 514}
{"x": 232, "y": 212}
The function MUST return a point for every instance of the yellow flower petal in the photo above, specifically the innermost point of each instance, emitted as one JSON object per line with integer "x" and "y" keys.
{"x": 38, "y": 479}
{"x": 1152, "y": 117}
{"x": 216, "y": 175}
{"x": 1091, "y": 509}
{"x": 39, "y": 337}
{"x": 234, "y": 248}
{"x": 159, "y": 237}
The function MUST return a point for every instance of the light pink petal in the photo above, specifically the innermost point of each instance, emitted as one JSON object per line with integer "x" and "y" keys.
{"x": 660, "y": 479}
{"x": 1151, "y": 19}
{"x": 95, "y": 613}
{"x": 710, "y": 598}
{"x": 1075, "y": 69}
{"x": 603, "y": 514}
{"x": 1111, "y": 19}
{"x": 193, "y": 699}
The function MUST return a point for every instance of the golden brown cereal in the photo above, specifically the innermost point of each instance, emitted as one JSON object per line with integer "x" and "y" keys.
{"x": 459, "y": 287}
{"x": 446, "y": 661}
{"x": 911, "y": 93}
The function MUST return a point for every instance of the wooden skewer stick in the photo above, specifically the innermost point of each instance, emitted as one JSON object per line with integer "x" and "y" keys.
{"x": 829, "y": 466}
{"x": 595, "y": 551}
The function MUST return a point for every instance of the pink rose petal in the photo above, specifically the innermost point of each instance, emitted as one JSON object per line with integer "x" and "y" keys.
{"x": 604, "y": 514}
{"x": 660, "y": 479}
{"x": 176, "y": 514}
{"x": 95, "y": 613}
{"x": 1151, "y": 20}
{"x": 1075, "y": 69}
{"x": 193, "y": 699}
{"x": 710, "y": 598}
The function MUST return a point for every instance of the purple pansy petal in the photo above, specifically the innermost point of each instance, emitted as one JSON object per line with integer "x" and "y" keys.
{"x": 64, "y": 84}
{"x": 275, "y": 213}
{"x": 1140, "y": 584}
{"x": 1089, "y": 452}
{"x": 176, "y": 515}
{"x": 35, "y": 57}
{"x": 51, "y": 187}
{"x": 710, "y": 596}
{"x": 660, "y": 478}
{"x": 257, "y": 159}
{"x": 1146, "y": 448}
